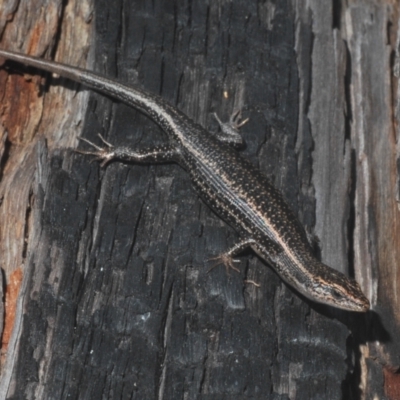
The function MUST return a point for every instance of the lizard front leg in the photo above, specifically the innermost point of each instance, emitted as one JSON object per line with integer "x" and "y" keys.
{"x": 230, "y": 130}
{"x": 227, "y": 258}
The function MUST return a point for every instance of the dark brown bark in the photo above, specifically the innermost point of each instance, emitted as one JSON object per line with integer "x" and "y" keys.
{"x": 115, "y": 300}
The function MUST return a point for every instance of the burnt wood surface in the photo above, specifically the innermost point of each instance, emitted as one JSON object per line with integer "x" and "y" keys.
{"x": 115, "y": 300}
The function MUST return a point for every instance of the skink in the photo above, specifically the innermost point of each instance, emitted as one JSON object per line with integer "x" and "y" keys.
{"x": 228, "y": 183}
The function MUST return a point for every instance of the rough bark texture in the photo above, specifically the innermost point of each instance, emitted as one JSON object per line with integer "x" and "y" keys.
{"x": 115, "y": 300}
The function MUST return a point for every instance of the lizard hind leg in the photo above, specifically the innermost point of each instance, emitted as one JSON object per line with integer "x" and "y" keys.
{"x": 227, "y": 258}
{"x": 158, "y": 154}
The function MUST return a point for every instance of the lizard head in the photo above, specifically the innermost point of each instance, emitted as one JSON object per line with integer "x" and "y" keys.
{"x": 337, "y": 290}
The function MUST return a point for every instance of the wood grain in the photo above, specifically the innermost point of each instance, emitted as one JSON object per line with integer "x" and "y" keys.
{"x": 116, "y": 301}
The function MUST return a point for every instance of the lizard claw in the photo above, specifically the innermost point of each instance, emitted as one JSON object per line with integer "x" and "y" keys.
{"x": 226, "y": 260}
{"x": 103, "y": 154}
{"x": 230, "y": 130}
{"x": 235, "y": 122}
{"x": 235, "y": 118}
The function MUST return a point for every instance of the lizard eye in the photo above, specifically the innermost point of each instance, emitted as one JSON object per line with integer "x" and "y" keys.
{"x": 336, "y": 294}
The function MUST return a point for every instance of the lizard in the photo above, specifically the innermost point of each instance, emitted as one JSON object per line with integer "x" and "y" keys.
{"x": 227, "y": 182}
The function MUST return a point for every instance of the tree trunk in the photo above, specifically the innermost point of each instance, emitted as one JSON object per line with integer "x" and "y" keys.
{"x": 107, "y": 291}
